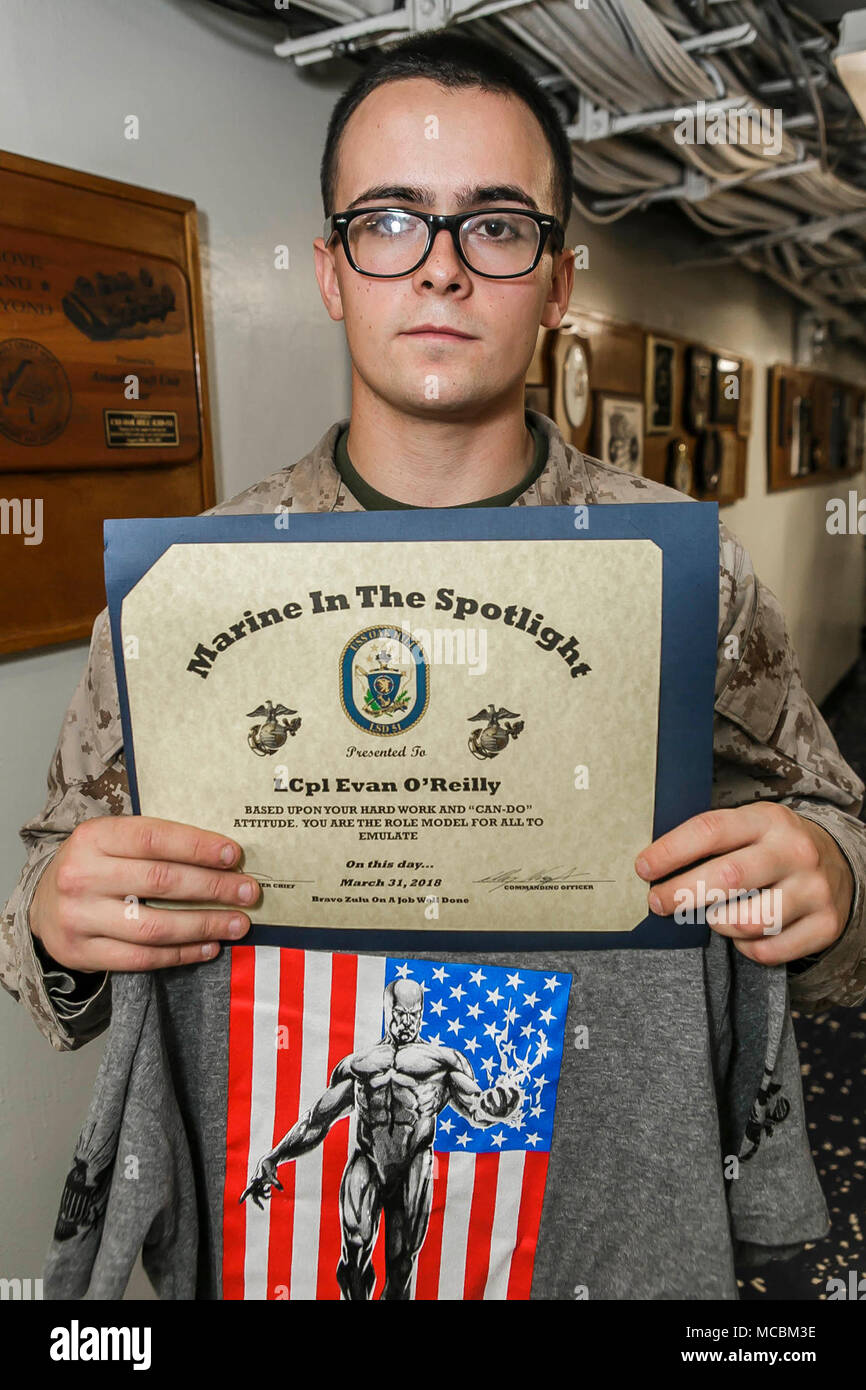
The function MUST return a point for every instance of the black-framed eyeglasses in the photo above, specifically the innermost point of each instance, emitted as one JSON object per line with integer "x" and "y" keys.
{"x": 499, "y": 243}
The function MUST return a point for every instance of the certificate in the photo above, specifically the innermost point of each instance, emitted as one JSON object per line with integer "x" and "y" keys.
{"x": 446, "y": 727}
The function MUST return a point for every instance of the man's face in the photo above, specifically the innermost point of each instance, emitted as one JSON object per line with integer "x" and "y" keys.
{"x": 480, "y": 140}
{"x": 405, "y": 1024}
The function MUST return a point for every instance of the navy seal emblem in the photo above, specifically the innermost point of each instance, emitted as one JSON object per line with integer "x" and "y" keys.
{"x": 384, "y": 690}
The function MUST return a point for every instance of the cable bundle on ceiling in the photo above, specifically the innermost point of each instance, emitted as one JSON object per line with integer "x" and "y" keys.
{"x": 788, "y": 199}
{"x": 632, "y": 60}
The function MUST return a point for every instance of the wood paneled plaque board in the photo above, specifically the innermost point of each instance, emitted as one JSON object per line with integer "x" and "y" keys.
{"x": 103, "y": 393}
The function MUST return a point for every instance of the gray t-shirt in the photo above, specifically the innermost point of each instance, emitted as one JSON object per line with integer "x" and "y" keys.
{"x": 550, "y": 1125}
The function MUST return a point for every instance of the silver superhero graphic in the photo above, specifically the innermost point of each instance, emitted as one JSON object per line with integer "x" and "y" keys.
{"x": 397, "y": 1088}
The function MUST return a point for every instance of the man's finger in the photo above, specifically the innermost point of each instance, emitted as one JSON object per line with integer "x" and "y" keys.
{"x": 753, "y": 866}
{"x": 702, "y": 837}
{"x": 128, "y": 956}
{"x": 773, "y": 909}
{"x": 146, "y": 925}
{"x": 162, "y": 878}
{"x": 803, "y": 938}
{"x": 150, "y": 837}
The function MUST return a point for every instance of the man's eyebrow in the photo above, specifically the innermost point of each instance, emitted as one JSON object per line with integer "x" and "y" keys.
{"x": 476, "y": 196}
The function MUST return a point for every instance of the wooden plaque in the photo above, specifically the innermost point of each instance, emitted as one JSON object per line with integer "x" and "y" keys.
{"x": 96, "y": 355}
{"x": 813, "y": 427}
{"x": 103, "y": 391}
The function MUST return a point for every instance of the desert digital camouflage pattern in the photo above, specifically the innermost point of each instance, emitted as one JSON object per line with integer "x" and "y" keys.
{"x": 770, "y": 741}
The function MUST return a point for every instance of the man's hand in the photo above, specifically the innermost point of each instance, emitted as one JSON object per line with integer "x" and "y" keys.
{"x": 260, "y": 1185}
{"x": 499, "y": 1101}
{"x": 82, "y": 913}
{"x": 760, "y": 846}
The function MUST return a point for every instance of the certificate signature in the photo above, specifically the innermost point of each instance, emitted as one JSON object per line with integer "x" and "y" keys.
{"x": 517, "y": 876}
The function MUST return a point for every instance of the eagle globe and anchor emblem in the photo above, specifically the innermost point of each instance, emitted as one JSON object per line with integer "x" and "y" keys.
{"x": 496, "y": 734}
{"x": 377, "y": 695}
{"x": 269, "y": 736}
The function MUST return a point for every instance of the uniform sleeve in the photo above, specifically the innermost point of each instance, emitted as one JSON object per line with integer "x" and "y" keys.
{"x": 772, "y": 744}
{"x": 86, "y": 778}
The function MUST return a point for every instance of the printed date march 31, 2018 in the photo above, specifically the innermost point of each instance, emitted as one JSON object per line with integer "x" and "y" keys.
{"x": 390, "y": 883}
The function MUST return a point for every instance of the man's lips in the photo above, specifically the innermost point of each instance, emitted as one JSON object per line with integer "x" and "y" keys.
{"x": 430, "y": 330}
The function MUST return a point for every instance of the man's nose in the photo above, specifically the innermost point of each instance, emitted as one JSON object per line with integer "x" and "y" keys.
{"x": 443, "y": 259}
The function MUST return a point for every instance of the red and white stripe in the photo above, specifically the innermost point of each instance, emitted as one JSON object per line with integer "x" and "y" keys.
{"x": 486, "y": 1208}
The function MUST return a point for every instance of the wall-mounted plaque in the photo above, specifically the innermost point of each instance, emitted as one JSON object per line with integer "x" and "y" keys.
{"x": 659, "y": 384}
{"x": 569, "y": 365}
{"x": 103, "y": 385}
{"x": 96, "y": 356}
{"x": 699, "y": 371}
{"x": 575, "y": 384}
{"x": 709, "y": 461}
{"x": 680, "y": 473}
{"x": 619, "y": 431}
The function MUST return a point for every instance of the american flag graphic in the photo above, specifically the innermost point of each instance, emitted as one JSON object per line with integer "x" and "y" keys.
{"x": 498, "y": 1032}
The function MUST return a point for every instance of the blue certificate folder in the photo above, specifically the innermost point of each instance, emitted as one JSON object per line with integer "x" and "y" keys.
{"x": 687, "y": 535}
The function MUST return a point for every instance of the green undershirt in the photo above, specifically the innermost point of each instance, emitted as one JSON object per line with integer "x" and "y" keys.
{"x": 371, "y": 500}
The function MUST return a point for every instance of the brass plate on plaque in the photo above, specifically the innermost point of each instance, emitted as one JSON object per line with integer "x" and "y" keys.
{"x": 140, "y": 429}
{"x": 92, "y": 336}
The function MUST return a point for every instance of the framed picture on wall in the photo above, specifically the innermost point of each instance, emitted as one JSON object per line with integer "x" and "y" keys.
{"x": 698, "y": 372}
{"x": 801, "y": 436}
{"x": 680, "y": 471}
{"x": 659, "y": 384}
{"x": 619, "y": 422}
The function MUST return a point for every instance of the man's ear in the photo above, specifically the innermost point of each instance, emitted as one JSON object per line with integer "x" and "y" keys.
{"x": 559, "y": 297}
{"x": 326, "y": 275}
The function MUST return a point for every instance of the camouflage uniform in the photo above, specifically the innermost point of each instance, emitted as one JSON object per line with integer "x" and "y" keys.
{"x": 770, "y": 741}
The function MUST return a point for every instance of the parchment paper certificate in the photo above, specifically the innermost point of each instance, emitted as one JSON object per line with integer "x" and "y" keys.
{"x": 442, "y": 725}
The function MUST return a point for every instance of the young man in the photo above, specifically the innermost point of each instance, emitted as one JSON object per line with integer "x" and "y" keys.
{"x": 634, "y": 1199}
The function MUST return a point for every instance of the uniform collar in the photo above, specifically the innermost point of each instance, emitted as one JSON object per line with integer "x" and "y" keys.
{"x": 316, "y": 484}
